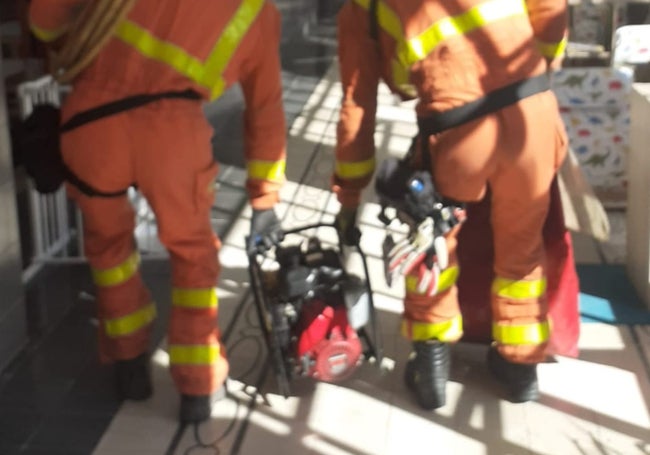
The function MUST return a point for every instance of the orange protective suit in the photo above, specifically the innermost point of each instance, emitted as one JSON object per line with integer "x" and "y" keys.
{"x": 447, "y": 54}
{"x": 164, "y": 149}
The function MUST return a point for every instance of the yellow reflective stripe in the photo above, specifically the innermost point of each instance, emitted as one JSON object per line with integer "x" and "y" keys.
{"x": 228, "y": 43}
{"x": 552, "y": 50}
{"x": 411, "y": 283}
{"x": 195, "y": 298}
{"x": 401, "y": 78}
{"x": 389, "y": 21}
{"x": 48, "y": 35}
{"x": 450, "y": 330}
{"x": 417, "y": 48}
{"x": 161, "y": 51}
{"x": 355, "y": 169}
{"x": 193, "y": 354}
{"x": 391, "y": 24}
{"x": 518, "y": 289}
{"x": 386, "y": 17}
{"x": 266, "y": 170}
{"x": 127, "y": 325}
{"x": 119, "y": 274}
{"x": 537, "y": 333}
{"x": 446, "y": 280}
{"x": 208, "y": 74}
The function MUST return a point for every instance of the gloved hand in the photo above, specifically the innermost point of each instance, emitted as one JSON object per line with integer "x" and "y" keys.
{"x": 346, "y": 225}
{"x": 421, "y": 244}
{"x": 266, "y": 229}
{"x": 428, "y": 278}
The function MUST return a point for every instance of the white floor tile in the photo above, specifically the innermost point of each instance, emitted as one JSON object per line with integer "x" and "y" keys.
{"x": 352, "y": 418}
{"x": 600, "y": 337}
{"x": 611, "y": 391}
{"x": 557, "y": 427}
{"x": 418, "y": 433}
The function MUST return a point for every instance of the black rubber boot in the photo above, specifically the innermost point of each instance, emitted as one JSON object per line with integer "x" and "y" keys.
{"x": 198, "y": 408}
{"x": 427, "y": 372}
{"x": 195, "y": 408}
{"x": 133, "y": 378}
{"x": 518, "y": 379}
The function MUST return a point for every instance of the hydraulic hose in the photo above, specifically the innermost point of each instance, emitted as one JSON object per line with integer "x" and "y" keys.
{"x": 88, "y": 34}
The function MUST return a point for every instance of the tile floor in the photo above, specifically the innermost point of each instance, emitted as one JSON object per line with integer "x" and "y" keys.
{"x": 596, "y": 404}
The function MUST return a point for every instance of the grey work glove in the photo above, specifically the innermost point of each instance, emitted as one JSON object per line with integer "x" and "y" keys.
{"x": 346, "y": 225}
{"x": 266, "y": 230}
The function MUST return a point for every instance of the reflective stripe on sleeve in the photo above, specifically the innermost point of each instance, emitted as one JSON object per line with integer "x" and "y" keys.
{"x": 355, "y": 169}
{"x": 266, "y": 170}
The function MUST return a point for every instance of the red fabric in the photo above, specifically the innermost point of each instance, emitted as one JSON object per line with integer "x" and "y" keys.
{"x": 475, "y": 255}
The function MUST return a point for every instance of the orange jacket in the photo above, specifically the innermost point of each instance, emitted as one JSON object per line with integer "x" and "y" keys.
{"x": 445, "y": 53}
{"x": 170, "y": 45}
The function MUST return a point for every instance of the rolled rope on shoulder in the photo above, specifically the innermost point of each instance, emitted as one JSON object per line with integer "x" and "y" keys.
{"x": 90, "y": 31}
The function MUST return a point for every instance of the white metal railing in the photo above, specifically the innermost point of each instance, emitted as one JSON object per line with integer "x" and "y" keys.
{"x": 55, "y": 220}
{"x": 51, "y": 231}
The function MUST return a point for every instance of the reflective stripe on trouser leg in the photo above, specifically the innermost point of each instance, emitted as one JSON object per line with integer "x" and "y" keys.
{"x": 181, "y": 193}
{"x": 196, "y": 357}
{"x": 520, "y": 328}
{"x": 436, "y": 317}
{"x": 446, "y": 331}
{"x": 126, "y": 311}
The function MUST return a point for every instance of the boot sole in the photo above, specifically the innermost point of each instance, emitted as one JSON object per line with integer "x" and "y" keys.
{"x": 426, "y": 400}
{"x": 514, "y": 394}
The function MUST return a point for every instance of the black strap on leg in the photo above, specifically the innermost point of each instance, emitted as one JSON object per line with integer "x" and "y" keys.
{"x": 88, "y": 190}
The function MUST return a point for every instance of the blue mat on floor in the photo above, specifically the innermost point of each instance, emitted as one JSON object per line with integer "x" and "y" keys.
{"x": 606, "y": 295}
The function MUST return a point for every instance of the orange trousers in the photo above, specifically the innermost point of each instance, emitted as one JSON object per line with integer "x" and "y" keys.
{"x": 475, "y": 256}
{"x": 516, "y": 151}
{"x": 164, "y": 149}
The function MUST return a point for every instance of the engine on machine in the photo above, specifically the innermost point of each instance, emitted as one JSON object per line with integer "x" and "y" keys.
{"x": 317, "y": 311}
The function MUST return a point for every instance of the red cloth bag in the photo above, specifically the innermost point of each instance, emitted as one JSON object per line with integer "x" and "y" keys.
{"x": 475, "y": 256}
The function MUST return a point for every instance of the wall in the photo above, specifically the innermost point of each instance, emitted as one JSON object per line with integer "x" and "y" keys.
{"x": 638, "y": 199}
{"x": 12, "y": 310}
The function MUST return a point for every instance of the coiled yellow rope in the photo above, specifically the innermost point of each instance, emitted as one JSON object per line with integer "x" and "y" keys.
{"x": 91, "y": 29}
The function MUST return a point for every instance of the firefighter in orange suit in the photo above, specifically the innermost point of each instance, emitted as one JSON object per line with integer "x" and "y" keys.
{"x": 478, "y": 69}
{"x": 164, "y": 149}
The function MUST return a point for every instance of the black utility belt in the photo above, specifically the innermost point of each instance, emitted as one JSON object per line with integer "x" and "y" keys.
{"x": 492, "y": 102}
{"x": 122, "y": 105}
{"x": 106, "y": 110}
